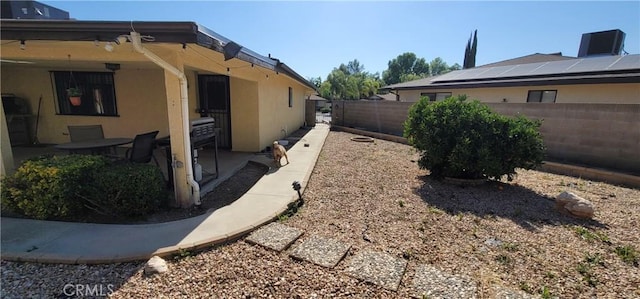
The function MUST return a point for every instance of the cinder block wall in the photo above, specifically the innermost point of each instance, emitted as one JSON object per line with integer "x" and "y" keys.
{"x": 378, "y": 116}
{"x": 597, "y": 135}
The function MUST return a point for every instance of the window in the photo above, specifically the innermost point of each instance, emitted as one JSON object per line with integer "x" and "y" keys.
{"x": 542, "y": 96}
{"x": 98, "y": 93}
{"x": 290, "y": 97}
{"x": 436, "y": 96}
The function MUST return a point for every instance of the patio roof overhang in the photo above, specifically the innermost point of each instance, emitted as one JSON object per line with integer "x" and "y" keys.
{"x": 162, "y": 32}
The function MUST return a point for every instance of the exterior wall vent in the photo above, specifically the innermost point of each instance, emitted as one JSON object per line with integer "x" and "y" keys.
{"x": 601, "y": 43}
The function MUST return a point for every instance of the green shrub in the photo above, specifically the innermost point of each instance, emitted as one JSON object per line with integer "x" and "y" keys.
{"x": 51, "y": 187}
{"x": 465, "y": 139}
{"x": 325, "y": 109}
{"x": 127, "y": 190}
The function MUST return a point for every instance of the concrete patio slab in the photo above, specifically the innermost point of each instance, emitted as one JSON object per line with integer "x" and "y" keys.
{"x": 433, "y": 283}
{"x": 378, "y": 268}
{"x": 63, "y": 242}
{"x": 274, "y": 236}
{"x": 321, "y": 251}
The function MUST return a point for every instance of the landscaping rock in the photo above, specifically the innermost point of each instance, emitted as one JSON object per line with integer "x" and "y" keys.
{"x": 569, "y": 202}
{"x": 155, "y": 265}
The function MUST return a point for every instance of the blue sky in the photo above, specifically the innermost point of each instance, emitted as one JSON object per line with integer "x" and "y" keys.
{"x": 313, "y": 37}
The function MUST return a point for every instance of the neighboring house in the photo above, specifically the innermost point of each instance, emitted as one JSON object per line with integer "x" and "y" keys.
{"x": 383, "y": 97}
{"x": 146, "y": 76}
{"x": 553, "y": 78}
{"x": 319, "y": 101}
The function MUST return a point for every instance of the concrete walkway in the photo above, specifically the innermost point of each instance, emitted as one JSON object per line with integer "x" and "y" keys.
{"x": 65, "y": 242}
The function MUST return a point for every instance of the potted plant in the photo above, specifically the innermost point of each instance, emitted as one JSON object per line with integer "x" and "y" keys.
{"x": 74, "y": 95}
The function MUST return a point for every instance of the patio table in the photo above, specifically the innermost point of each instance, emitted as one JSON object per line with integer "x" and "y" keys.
{"x": 95, "y": 146}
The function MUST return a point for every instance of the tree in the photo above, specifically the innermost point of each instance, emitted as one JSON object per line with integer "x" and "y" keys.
{"x": 350, "y": 82}
{"x": 470, "y": 51}
{"x": 438, "y": 67}
{"x": 405, "y": 64}
{"x": 455, "y": 67}
{"x": 316, "y": 81}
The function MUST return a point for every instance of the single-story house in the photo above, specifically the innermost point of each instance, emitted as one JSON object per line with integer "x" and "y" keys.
{"x": 145, "y": 76}
{"x": 383, "y": 97}
{"x": 536, "y": 78}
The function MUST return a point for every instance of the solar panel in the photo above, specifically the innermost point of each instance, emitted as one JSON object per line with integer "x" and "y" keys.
{"x": 581, "y": 65}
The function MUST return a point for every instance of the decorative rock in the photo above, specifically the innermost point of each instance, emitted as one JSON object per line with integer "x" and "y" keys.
{"x": 155, "y": 265}
{"x": 575, "y": 205}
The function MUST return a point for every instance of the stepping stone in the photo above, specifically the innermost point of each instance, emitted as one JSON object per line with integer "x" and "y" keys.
{"x": 321, "y": 251}
{"x": 503, "y": 292}
{"x": 433, "y": 283}
{"x": 274, "y": 236}
{"x": 378, "y": 268}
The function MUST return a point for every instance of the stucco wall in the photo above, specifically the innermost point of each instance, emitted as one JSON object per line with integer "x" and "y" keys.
{"x": 140, "y": 98}
{"x": 244, "y": 115}
{"x": 623, "y": 93}
{"x": 599, "y": 135}
{"x": 277, "y": 119}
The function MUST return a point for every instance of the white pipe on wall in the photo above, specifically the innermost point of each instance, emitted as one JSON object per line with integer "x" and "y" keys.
{"x": 184, "y": 101}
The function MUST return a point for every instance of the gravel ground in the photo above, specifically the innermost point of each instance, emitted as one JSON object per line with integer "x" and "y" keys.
{"x": 374, "y": 197}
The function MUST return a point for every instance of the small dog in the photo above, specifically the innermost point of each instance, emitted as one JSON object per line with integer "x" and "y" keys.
{"x": 278, "y": 153}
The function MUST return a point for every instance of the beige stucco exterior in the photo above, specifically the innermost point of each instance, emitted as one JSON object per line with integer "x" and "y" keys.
{"x": 148, "y": 97}
{"x": 621, "y": 93}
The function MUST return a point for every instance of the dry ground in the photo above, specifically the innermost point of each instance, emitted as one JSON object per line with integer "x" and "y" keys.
{"x": 501, "y": 233}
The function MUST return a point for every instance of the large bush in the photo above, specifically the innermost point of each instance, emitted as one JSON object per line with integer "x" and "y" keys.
{"x": 71, "y": 187}
{"x": 465, "y": 139}
{"x": 51, "y": 187}
{"x": 127, "y": 190}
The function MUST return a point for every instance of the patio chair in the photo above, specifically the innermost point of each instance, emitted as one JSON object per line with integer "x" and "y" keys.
{"x": 142, "y": 149}
{"x": 84, "y": 133}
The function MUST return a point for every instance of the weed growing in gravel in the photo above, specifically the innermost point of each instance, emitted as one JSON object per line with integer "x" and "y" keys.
{"x": 510, "y": 246}
{"x": 503, "y": 259}
{"x": 545, "y": 293}
{"x": 590, "y": 236}
{"x": 435, "y": 210}
{"x": 182, "y": 253}
{"x": 401, "y": 203}
{"x": 525, "y": 287}
{"x": 628, "y": 254}
{"x": 585, "y": 267}
{"x": 550, "y": 275}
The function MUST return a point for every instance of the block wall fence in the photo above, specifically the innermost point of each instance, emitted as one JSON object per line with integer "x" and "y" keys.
{"x": 595, "y": 135}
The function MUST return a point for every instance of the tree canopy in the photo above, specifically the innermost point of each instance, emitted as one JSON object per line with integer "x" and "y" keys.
{"x": 406, "y": 65}
{"x": 350, "y": 81}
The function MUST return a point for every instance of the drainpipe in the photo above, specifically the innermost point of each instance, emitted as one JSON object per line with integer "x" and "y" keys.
{"x": 184, "y": 101}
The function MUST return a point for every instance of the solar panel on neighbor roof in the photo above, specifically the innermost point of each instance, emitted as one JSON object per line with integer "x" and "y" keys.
{"x": 582, "y": 65}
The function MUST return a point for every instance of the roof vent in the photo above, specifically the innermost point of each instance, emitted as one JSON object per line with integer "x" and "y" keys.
{"x": 601, "y": 43}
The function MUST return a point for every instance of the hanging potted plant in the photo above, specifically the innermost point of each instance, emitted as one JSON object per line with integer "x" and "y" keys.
{"x": 75, "y": 95}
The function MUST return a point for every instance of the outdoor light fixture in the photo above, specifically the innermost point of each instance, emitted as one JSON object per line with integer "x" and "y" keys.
{"x": 228, "y": 72}
{"x": 296, "y": 186}
{"x": 22, "y": 45}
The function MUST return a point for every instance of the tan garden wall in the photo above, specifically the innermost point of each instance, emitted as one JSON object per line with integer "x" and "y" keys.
{"x": 597, "y": 135}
